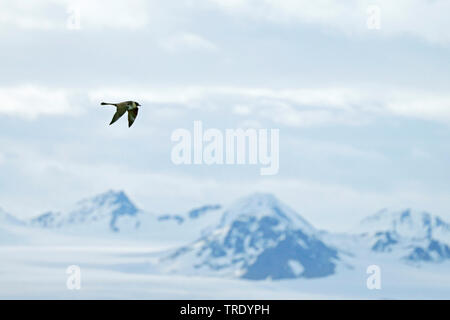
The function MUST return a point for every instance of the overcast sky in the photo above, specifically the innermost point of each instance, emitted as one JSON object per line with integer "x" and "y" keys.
{"x": 363, "y": 113}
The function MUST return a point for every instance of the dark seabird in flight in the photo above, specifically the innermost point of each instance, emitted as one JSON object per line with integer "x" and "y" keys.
{"x": 122, "y": 107}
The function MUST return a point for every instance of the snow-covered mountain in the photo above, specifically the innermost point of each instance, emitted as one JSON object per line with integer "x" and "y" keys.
{"x": 415, "y": 235}
{"x": 113, "y": 216}
{"x": 109, "y": 209}
{"x": 257, "y": 238}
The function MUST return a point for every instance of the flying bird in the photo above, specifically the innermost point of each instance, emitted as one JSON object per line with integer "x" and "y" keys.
{"x": 122, "y": 107}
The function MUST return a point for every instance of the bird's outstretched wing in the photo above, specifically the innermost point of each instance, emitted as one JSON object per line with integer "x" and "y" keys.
{"x": 132, "y": 114}
{"x": 120, "y": 111}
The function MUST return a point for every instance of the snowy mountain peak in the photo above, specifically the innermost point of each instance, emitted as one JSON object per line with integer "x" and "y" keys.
{"x": 264, "y": 205}
{"x": 406, "y": 223}
{"x": 420, "y": 235}
{"x": 108, "y": 206}
{"x": 117, "y": 199}
{"x": 259, "y": 237}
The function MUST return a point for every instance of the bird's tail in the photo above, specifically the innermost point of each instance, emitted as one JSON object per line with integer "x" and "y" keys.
{"x": 106, "y": 103}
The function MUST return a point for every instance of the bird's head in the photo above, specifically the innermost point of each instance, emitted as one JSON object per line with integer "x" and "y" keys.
{"x": 137, "y": 104}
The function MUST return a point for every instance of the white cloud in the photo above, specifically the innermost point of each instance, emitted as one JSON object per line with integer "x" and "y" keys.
{"x": 292, "y": 116}
{"x": 340, "y": 98}
{"x": 54, "y": 14}
{"x": 301, "y": 106}
{"x": 422, "y": 105}
{"x": 187, "y": 42}
{"x": 242, "y": 110}
{"x": 25, "y": 14}
{"x": 32, "y": 101}
{"x": 422, "y": 18}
